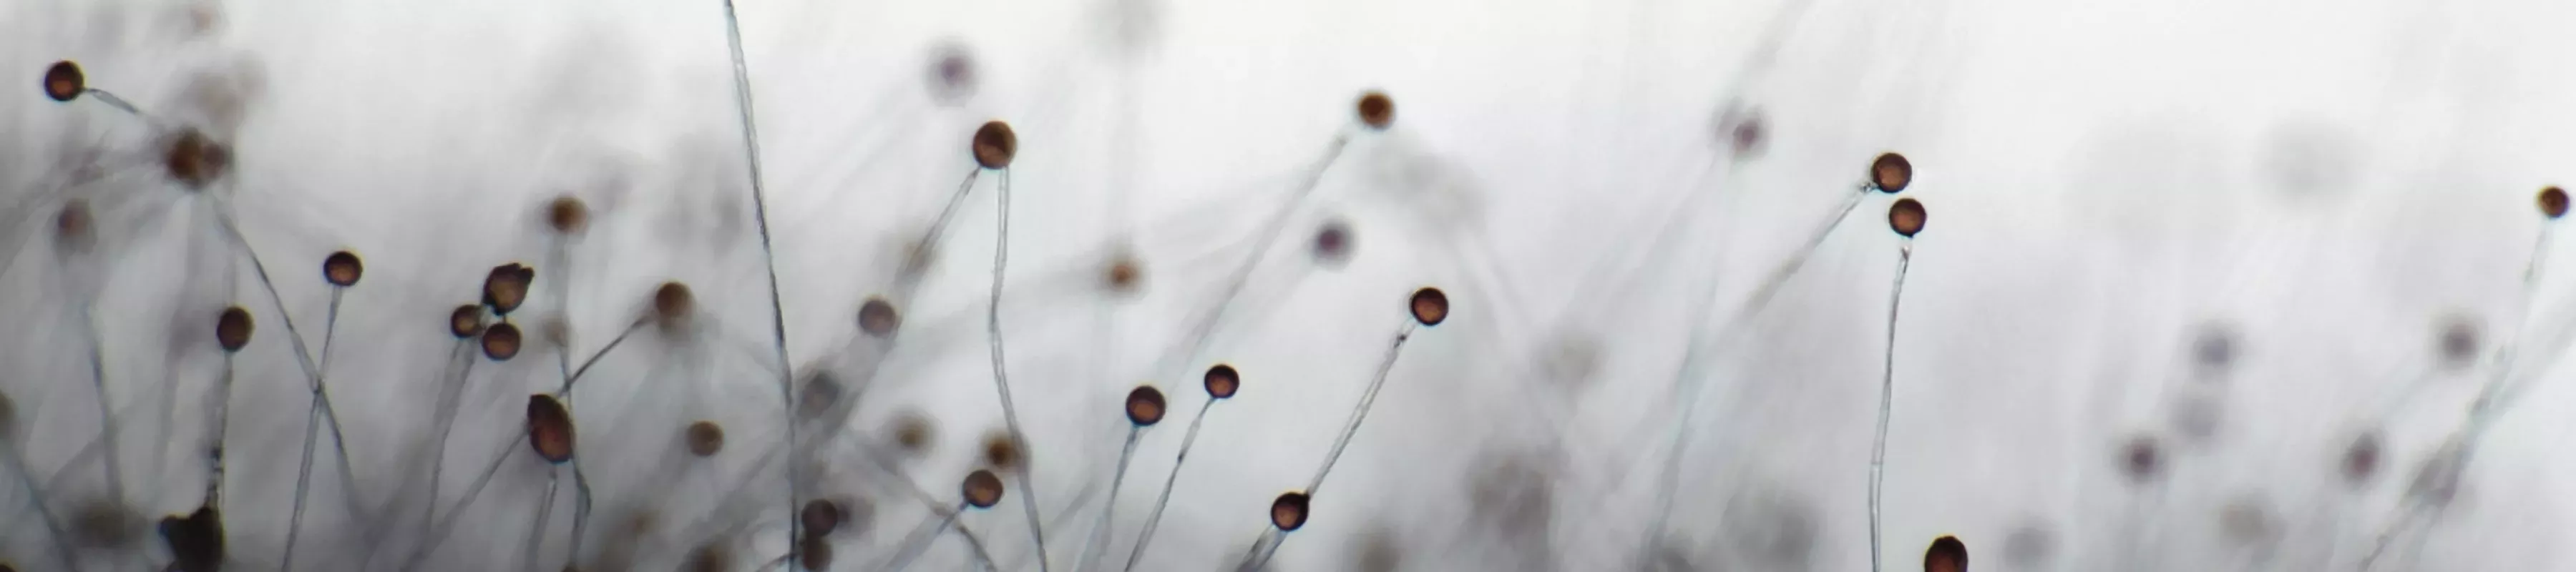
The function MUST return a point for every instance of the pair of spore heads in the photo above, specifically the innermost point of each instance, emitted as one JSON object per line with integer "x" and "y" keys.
{"x": 1891, "y": 173}
{"x": 504, "y": 289}
{"x": 995, "y": 144}
{"x": 187, "y": 155}
{"x": 233, "y": 327}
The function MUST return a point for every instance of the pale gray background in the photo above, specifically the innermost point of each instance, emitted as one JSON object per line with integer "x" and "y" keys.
{"x": 2328, "y": 179}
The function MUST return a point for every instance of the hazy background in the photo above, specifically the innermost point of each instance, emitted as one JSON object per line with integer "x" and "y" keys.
{"x": 2324, "y": 182}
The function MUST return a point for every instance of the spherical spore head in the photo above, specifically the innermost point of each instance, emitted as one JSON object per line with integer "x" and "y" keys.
{"x": 1947, "y": 554}
{"x": 2457, "y": 344}
{"x": 1002, "y": 451}
{"x": 1124, "y": 275}
{"x": 1145, "y": 406}
{"x": 952, "y": 74}
{"x": 501, "y": 341}
{"x": 343, "y": 269}
{"x": 913, "y": 432}
{"x": 567, "y": 214}
{"x": 1222, "y": 381}
{"x": 2142, "y": 459}
{"x": 233, "y": 329}
{"x": 705, "y": 438}
{"x": 1429, "y": 306}
{"x": 982, "y": 489}
{"x": 466, "y": 321}
{"x": 507, "y": 286}
{"x": 1745, "y": 131}
{"x": 821, "y": 394}
{"x": 814, "y": 553}
{"x": 1891, "y": 173}
{"x": 1288, "y": 512}
{"x": 878, "y": 318}
{"x": 1376, "y": 110}
{"x": 2360, "y": 458}
{"x": 1906, "y": 217}
{"x": 672, "y": 305}
{"x": 196, "y": 541}
{"x": 1332, "y": 245}
{"x": 550, "y": 429}
{"x": 64, "y": 81}
{"x": 193, "y": 159}
{"x": 819, "y": 516}
{"x": 995, "y": 145}
{"x": 73, "y": 224}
